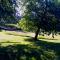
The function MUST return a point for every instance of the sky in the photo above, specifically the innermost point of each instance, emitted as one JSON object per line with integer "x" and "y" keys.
{"x": 20, "y": 9}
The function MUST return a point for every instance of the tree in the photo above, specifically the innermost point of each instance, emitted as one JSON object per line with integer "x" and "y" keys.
{"x": 41, "y": 12}
{"x": 26, "y": 25}
{"x": 7, "y": 11}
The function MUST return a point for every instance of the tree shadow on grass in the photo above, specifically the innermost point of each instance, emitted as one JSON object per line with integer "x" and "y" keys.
{"x": 46, "y": 45}
{"x": 25, "y": 52}
{"x": 19, "y": 35}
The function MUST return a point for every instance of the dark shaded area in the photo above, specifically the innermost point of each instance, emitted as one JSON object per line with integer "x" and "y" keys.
{"x": 47, "y": 45}
{"x": 25, "y": 52}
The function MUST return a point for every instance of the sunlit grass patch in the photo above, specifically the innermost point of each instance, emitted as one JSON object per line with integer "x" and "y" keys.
{"x": 14, "y": 36}
{"x": 25, "y": 45}
{"x": 7, "y": 39}
{"x": 6, "y": 42}
{"x": 41, "y": 37}
{"x": 46, "y": 37}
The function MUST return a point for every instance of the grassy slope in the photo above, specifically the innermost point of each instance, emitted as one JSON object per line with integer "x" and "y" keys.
{"x": 15, "y": 36}
{"x": 12, "y": 38}
{"x": 24, "y": 48}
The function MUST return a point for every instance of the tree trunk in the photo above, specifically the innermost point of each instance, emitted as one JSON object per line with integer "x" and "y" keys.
{"x": 37, "y": 32}
{"x": 53, "y": 35}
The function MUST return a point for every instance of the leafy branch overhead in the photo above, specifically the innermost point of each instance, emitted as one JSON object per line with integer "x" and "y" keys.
{"x": 7, "y": 11}
{"x": 42, "y": 14}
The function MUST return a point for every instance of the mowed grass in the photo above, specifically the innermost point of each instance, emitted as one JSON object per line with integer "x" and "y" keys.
{"x": 49, "y": 38}
{"x": 21, "y": 46}
{"x": 15, "y": 37}
{"x": 12, "y": 37}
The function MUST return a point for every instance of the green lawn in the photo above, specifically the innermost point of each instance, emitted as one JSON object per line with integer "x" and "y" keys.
{"x": 21, "y": 46}
{"x": 14, "y": 36}
{"x": 8, "y": 37}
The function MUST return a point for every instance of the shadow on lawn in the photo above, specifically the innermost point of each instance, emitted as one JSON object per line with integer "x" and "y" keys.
{"x": 19, "y": 35}
{"x": 25, "y": 52}
{"x": 47, "y": 45}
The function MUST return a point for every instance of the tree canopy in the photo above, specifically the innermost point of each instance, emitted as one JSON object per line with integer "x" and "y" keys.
{"x": 43, "y": 14}
{"x": 7, "y": 11}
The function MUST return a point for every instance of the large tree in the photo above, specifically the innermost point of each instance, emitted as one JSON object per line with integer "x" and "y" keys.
{"x": 42, "y": 13}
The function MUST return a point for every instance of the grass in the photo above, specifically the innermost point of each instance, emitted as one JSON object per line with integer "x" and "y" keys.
{"x": 12, "y": 38}
{"x": 21, "y": 46}
{"x": 49, "y": 38}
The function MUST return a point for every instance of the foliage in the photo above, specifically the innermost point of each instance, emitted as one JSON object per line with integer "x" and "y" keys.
{"x": 42, "y": 15}
{"x": 26, "y": 25}
{"x": 7, "y": 11}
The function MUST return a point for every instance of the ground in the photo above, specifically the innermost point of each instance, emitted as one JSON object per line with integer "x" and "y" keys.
{"x": 15, "y": 45}
{"x": 14, "y": 36}
{"x": 19, "y": 36}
